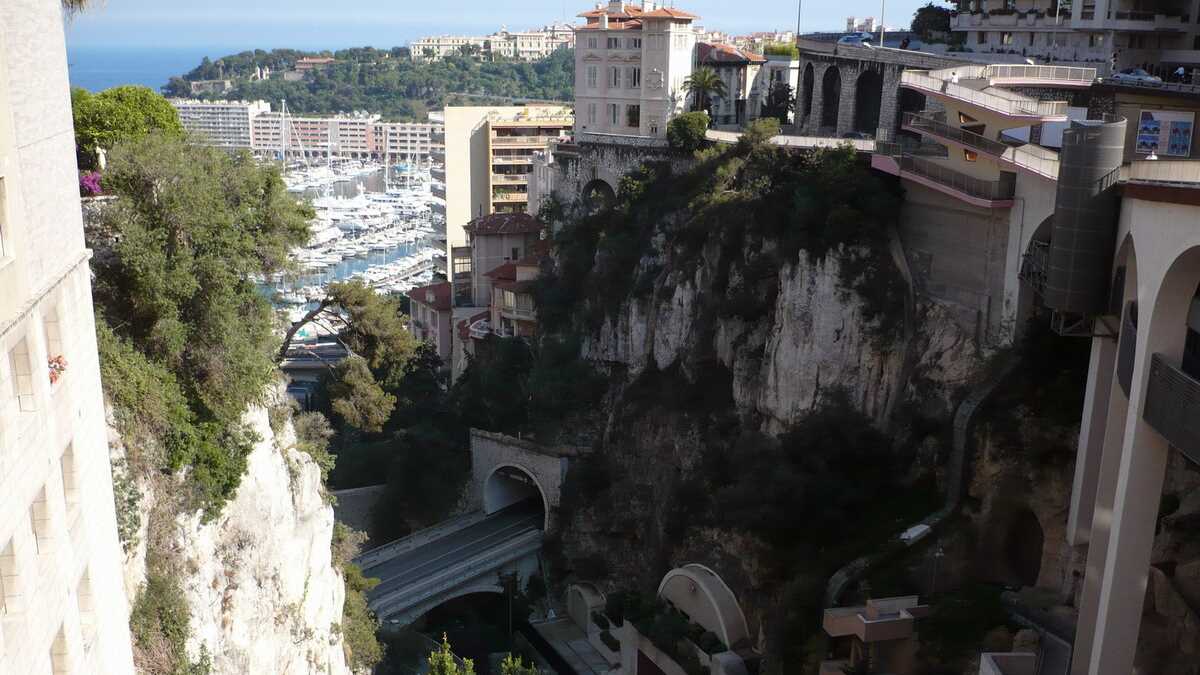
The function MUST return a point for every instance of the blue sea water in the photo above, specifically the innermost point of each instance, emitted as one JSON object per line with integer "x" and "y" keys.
{"x": 97, "y": 68}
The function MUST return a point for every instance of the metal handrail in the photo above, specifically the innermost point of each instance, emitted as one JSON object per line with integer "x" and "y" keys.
{"x": 983, "y": 99}
{"x": 975, "y": 187}
{"x": 1052, "y": 73}
{"x": 959, "y": 135}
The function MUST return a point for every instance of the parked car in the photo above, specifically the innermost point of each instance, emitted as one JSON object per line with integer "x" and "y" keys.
{"x": 1135, "y": 75}
{"x": 856, "y": 40}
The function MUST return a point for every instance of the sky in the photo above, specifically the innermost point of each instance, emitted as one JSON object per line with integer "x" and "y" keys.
{"x": 316, "y": 24}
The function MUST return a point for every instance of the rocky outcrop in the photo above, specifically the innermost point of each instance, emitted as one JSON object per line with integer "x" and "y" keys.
{"x": 263, "y": 593}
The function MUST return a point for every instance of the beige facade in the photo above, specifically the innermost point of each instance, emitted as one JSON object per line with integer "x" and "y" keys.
{"x": 225, "y": 124}
{"x": 488, "y": 159}
{"x": 62, "y": 602}
{"x": 529, "y": 45}
{"x": 631, "y": 61}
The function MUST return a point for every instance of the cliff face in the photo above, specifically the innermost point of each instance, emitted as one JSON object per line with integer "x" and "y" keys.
{"x": 263, "y": 594}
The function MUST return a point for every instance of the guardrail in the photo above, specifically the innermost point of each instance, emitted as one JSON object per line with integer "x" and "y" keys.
{"x": 510, "y": 197}
{"x": 455, "y": 575}
{"x": 523, "y": 140}
{"x": 390, "y": 550}
{"x": 1165, "y": 171}
{"x": 1181, "y": 87}
{"x": 924, "y": 124}
{"x": 1173, "y": 406}
{"x": 1075, "y": 74}
{"x": 1008, "y": 105}
{"x": 956, "y": 180}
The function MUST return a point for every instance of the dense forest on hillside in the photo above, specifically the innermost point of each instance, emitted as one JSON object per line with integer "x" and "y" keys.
{"x": 384, "y": 81}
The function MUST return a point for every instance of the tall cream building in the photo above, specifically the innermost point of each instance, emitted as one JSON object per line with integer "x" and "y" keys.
{"x": 62, "y": 603}
{"x": 488, "y": 161}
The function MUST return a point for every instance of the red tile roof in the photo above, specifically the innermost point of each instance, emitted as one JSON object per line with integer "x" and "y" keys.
{"x": 718, "y": 54}
{"x": 669, "y": 13}
{"x": 514, "y": 286}
{"x": 506, "y": 271}
{"x": 441, "y": 295}
{"x": 504, "y": 223}
{"x": 626, "y": 11}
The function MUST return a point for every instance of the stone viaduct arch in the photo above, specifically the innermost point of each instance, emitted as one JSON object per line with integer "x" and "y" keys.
{"x": 868, "y": 98}
{"x": 831, "y": 99}
{"x": 598, "y": 194}
{"x": 804, "y": 104}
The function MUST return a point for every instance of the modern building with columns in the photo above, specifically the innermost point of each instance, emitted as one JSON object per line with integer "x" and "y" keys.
{"x": 62, "y": 601}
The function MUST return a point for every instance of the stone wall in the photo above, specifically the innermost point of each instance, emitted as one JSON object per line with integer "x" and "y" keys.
{"x": 596, "y": 158}
{"x": 546, "y": 466}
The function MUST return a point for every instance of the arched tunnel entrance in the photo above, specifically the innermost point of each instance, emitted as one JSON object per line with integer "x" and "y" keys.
{"x": 831, "y": 96}
{"x": 513, "y": 489}
{"x": 598, "y": 195}
{"x": 868, "y": 98}
{"x": 1023, "y": 543}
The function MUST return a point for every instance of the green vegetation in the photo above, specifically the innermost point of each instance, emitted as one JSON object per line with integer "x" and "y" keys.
{"x": 159, "y": 623}
{"x": 118, "y": 114}
{"x": 686, "y": 132}
{"x": 358, "y": 626}
{"x": 782, "y": 49}
{"x": 444, "y": 662}
{"x": 703, "y": 84}
{"x": 186, "y": 340}
{"x": 959, "y": 622}
{"x": 515, "y": 665}
{"x": 931, "y": 22}
{"x": 387, "y": 82}
{"x": 780, "y": 102}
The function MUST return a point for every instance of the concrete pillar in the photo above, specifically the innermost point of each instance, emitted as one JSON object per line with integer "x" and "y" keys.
{"x": 890, "y": 101}
{"x": 1096, "y": 404}
{"x": 1112, "y": 440}
{"x": 1134, "y": 514}
{"x": 846, "y": 109}
{"x": 818, "y": 99}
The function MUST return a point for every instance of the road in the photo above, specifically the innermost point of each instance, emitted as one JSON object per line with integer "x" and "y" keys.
{"x": 415, "y": 565}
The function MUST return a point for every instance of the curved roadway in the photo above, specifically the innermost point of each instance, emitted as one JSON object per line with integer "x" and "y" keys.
{"x": 410, "y": 567}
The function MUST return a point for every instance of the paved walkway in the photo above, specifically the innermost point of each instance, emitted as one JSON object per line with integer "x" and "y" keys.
{"x": 569, "y": 641}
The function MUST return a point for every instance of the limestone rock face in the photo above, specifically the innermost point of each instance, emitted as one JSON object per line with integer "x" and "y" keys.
{"x": 260, "y": 582}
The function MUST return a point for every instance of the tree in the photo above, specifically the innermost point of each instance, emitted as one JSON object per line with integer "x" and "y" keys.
{"x": 686, "y": 131}
{"x": 175, "y": 253}
{"x": 118, "y": 114}
{"x": 931, "y": 22}
{"x": 704, "y": 84}
{"x": 357, "y": 397}
{"x": 515, "y": 665}
{"x": 779, "y": 102}
{"x": 444, "y": 662}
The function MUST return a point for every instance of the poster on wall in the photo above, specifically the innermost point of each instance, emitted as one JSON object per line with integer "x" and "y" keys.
{"x": 1165, "y": 132}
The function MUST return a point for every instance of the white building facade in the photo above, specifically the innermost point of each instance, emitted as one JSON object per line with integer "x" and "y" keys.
{"x": 531, "y": 45}
{"x": 630, "y": 66}
{"x": 224, "y": 124}
{"x": 62, "y": 600}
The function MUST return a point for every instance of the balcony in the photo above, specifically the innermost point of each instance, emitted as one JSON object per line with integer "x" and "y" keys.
{"x": 511, "y": 160}
{"x": 510, "y": 178}
{"x": 937, "y": 176}
{"x": 522, "y": 311}
{"x": 1173, "y": 406}
{"x": 510, "y": 197}
{"x": 1031, "y": 158}
{"x": 524, "y": 141}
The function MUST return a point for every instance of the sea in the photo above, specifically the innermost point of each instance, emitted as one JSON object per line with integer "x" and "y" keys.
{"x": 98, "y": 68}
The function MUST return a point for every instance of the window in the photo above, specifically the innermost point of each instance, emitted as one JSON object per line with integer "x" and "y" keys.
{"x": 981, "y": 37}
{"x": 614, "y": 114}
{"x": 593, "y": 43}
{"x": 633, "y": 116}
{"x": 970, "y": 155}
{"x": 516, "y": 254}
{"x": 70, "y": 478}
{"x": 87, "y": 610}
{"x": 634, "y": 78}
{"x": 656, "y": 42}
{"x": 20, "y": 367}
{"x": 591, "y": 113}
{"x": 1096, "y": 40}
{"x": 591, "y": 77}
{"x": 52, "y": 333}
{"x": 10, "y": 583}
{"x": 614, "y": 43}
{"x": 1006, "y": 38}
{"x": 510, "y": 299}
{"x": 39, "y": 522}
{"x": 614, "y": 77}
{"x": 633, "y": 43}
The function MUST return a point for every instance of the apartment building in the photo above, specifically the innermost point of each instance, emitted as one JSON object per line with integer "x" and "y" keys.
{"x": 488, "y": 160}
{"x": 226, "y": 124}
{"x": 630, "y": 65}
{"x": 62, "y": 600}
{"x": 430, "y": 313}
{"x": 529, "y": 45}
{"x": 739, "y": 70}
{"x": 251, "y": 125}
{"x": 1163, "y": 35}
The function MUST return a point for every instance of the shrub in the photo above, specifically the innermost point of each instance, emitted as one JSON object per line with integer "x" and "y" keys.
{"x": 782, "y": 49}
{"x": 359, "y": 624}
{"x": 159, "y": 622}
{"x": 686, "y": 132}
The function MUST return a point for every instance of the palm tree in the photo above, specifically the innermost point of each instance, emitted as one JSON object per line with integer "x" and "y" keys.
{"x": 704, "y": 84}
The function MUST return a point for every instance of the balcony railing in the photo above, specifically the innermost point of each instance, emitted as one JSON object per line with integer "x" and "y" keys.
{"x": 989, "y": 190}
{"x": 928, "y": 125}
{"x": 539, "y": 141}
{"x": 510, "y": 178}
{"x": 510, "y": 197}
{"x": 1173, "y": 406}
{"x": 512, "y": 159}
{"x": 1007, "y": 103}
{"x": 997, "y": 74}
